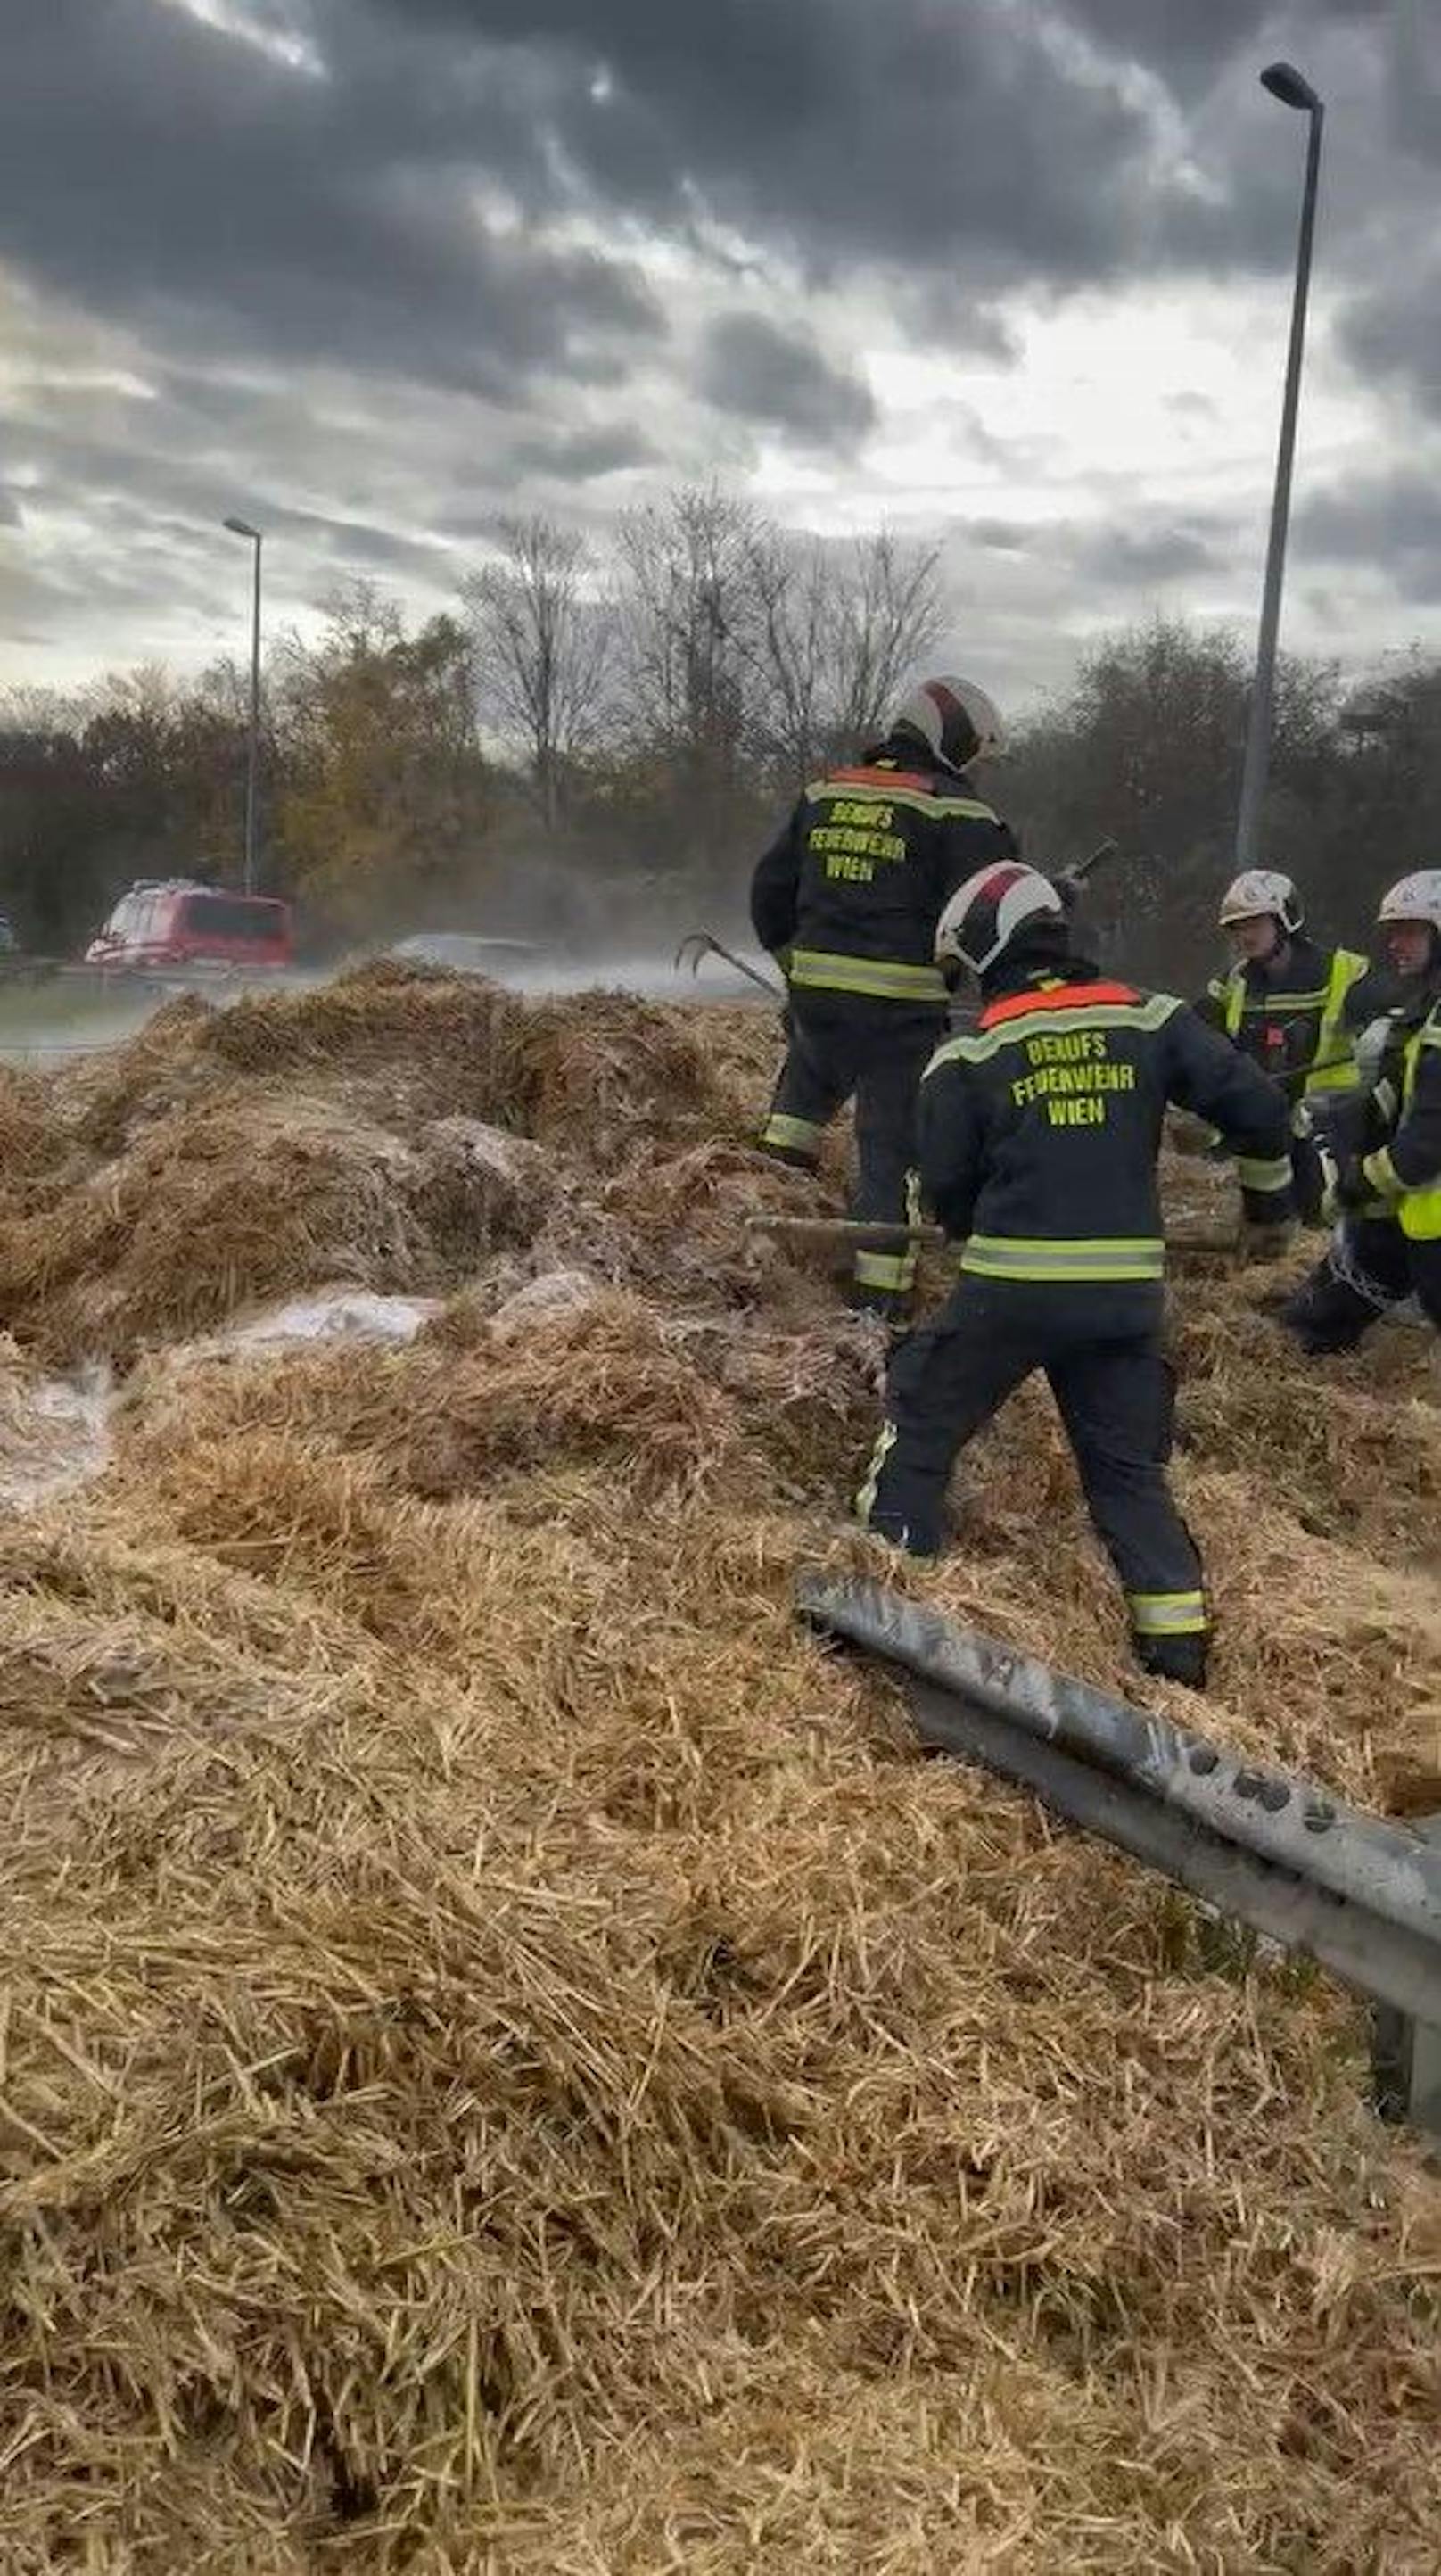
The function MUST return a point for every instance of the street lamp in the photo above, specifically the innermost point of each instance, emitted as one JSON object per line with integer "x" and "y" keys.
{"x": 242, "y": 528}
{"x": 1288, "y": 85}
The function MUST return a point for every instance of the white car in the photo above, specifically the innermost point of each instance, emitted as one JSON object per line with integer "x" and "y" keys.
{"x": 464, "y": 955}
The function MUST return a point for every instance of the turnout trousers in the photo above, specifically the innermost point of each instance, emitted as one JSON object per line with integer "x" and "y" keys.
{"x": 1308, "y": 1179}
{"x": 1374, "y": 1266}
{"x": 844, "y": 1046}
{"x": 1101, "y": 1349}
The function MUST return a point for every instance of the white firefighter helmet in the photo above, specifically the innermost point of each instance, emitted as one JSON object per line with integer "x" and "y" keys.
{"x": 955, "y": 720}
{"x": 1259, "y": 892}
{"x": 985, "y": 914}
{"x": 1414, "y": 898}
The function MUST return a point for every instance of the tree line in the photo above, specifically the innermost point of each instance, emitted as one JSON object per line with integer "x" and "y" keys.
{"x": 592, "y": 745}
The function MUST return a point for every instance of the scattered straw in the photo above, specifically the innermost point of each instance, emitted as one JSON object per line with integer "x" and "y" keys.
{"x": 507, "y": 2061}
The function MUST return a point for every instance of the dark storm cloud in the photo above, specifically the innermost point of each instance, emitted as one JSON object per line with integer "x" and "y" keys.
{"x": 783, "y": 379}
{"x": 570, "y": 459}
{"x": 1392, "y": 332}
{"x": 1389, "y": 328}
{"x": 902, "y": 132}
{"x": 406, "y": 278}
{"x": 351, "y": 542}
{"x": 155, "y": 170}
{"x": 1391, "y": 522}
{"x": 1186, "y": 42}
{"x": 1000, "y": 536}
{"x": 124, "y": 472}
{"x": 985, "y": 149}
{"x": 998, "y": 142}
{"x": 1127, "y": 558}
{"x": 582, "y": 455}
{"x": 10, "y": 513}
{"x": 1146, "y": 551}
{"x": 143, "y": 491}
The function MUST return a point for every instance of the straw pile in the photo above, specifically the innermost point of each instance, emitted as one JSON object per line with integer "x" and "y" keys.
{"x": 507, "y": 2061}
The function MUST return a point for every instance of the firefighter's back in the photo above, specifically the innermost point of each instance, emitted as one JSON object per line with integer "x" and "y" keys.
{"x": 1067, "y": 1084}
{"x": 882, "y": 848}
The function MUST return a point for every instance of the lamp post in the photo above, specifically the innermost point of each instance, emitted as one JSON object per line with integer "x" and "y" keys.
{"x": 242, "y": 528}
{"x": 1287, "y": 84}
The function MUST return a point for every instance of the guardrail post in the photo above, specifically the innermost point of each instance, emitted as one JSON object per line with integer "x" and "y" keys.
{"x": 1406, "y": 2054}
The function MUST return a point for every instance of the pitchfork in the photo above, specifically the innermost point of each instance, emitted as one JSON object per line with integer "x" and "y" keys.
{"x": 700, "y": 945}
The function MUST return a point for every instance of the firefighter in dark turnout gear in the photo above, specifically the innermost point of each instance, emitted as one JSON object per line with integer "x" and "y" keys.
{"x": 1284, "y": 1003}
{"x": 847, "y": 898}
{"x": 1039, "y": 1137}
{"x": 1386, "y": 1189}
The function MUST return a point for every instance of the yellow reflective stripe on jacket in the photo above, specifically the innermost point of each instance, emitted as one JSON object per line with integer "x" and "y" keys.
{"x": 1240, "y": 1006}
{"x": 1329, "y": 1002}
{"x": 1121, "y": 1257}
{"x": 1335, "y": 1050}
{"x": 792, "y": 1135}
{"x": 1254, "y": 1174}
{"x": 1168, "y": 1614}
{"x": 978, "y": 1049}
{"x": 886, "y": 979}
{"x": 1420, "y": 1209}
{"x": 947, "y": 809}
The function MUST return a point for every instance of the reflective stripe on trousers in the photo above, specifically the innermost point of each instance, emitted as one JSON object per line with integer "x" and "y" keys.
{"x": 1100, "y": 1349}
{"x": 1168, "y": 1614}
{"x": 1264, "y": 1176}
{"x": 790, "y": 1135}
{"x": 894, "y": 1272}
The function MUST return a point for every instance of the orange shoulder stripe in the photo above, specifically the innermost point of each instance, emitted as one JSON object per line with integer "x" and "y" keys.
{"x": 906, "y": 780}
{"x": 1060, "y": 997}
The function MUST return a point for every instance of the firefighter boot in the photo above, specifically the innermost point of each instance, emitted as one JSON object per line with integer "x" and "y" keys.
{"x": 1174, "y": 1659}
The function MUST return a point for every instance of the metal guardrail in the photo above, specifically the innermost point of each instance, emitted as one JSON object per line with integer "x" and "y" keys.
{"x": 1360, "y": 1895}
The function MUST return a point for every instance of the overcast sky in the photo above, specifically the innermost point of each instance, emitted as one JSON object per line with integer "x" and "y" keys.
{"x": 1015, "y": 272}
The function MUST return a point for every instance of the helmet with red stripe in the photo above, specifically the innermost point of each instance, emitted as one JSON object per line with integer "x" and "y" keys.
{"x": 955, "y": 720}
{"x": 986, "y": 915}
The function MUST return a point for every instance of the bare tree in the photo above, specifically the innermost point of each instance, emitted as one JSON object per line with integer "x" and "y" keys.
{"x": 543, "y": 636}
{"x": 893, "y": 611}
{"x": 837, "y": 630}
{"x": 689, "y": 620}
{"x": 690, "y": 665}
{"x": 793, "y": 649}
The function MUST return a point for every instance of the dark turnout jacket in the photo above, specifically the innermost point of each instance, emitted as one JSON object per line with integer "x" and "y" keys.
{"x": 1040, "y": 1129}
{"x": 852, "y": 887}
{"x": 1298, "y": 1023}
{"x": 1404, "y": 1166}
